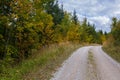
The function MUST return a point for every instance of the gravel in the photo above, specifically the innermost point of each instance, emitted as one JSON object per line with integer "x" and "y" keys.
{"x": 76, "y": 66}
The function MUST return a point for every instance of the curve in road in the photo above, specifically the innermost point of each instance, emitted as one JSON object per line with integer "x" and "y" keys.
{"x": 78, "y": 66}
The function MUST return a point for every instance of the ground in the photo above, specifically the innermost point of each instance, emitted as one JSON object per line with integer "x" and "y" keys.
{"x": 88, "y": 63}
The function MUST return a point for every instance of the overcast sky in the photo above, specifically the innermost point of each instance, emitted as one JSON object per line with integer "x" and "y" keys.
{"x": 98, "y": 12}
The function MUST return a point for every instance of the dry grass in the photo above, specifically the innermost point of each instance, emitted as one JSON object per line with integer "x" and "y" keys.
{"x": 55, "y": 58}
{"x": 41, "y": 65}
{"x": 113, "y": 51}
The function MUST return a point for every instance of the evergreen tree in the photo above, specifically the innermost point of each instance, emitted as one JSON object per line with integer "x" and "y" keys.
{"x": 29, "y": 24}
{"x": 75, "y": 18}
{"x": 57, "y": 13}
{"x": 115, "y": 31}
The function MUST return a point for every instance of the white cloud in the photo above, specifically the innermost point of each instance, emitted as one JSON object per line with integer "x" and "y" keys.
{"x": 98, "y": 12}
{"x": 116, "y": 13}
{"x": 101, "y": 22}
{"x": 100, "y": 19}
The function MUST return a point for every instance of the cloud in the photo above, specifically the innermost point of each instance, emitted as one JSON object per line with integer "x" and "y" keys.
{"x": 100, "y": 19}
{"x": 98, "y": 12}
{"x": 101, "y": 22}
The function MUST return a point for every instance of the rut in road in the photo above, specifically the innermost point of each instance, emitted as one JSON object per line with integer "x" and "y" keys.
{"x": 92, "y": 68}
{"x": 88, "y": 63}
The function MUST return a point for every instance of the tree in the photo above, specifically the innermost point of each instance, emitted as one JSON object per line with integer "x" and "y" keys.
{"x": 44, "y": 25}
{"x": 84, "y": 23}
{"x": 29, "y": 24}
{"x": 65, "y": 26}
{"x": 5, "y": 28}
{"x": 57, "y": 13}
{"x": 75, "y": 18}
{"x": 115, "y": 31}
{"x": 114, "y": 24}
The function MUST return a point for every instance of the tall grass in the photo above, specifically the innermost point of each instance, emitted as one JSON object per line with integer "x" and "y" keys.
{"x": 41, "y": 65}
{"x": 113, "y": 51}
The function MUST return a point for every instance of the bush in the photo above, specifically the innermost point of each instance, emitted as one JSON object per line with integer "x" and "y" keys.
{"x": 11, "y": 55}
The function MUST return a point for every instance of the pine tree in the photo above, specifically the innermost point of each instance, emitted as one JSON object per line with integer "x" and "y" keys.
{"x": 75, "y": 18}
{"x": 56, "y": 12}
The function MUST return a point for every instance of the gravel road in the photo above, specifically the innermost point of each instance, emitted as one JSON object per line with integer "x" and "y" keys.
{"x": 88, "y": 63}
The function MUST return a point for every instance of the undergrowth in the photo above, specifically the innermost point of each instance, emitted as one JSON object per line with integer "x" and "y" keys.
{"x": 41, "y": 65}
{"x": 113, "y": 51}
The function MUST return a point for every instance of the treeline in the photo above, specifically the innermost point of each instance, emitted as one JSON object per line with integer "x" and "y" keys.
{"x": 113, "y": 38}
{"x": 31, "y": 24}
{"x": 112, "y": 43}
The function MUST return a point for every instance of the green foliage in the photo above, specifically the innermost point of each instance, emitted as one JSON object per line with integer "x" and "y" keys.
{"x": 11, "y": 52}
{"x": 112, "y": 44}
{"x": 113, "y": 51}
{"x": 47, "y": 61}
{"x": 26, "y": 25}
{"x": 115, "y": 32}
{"x": 88, "y": 33}
{"x": 57, "y": 13}
{"x": 75, "y": 18}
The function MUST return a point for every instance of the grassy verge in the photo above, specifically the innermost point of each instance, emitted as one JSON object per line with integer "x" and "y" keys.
{"x": 92, "y": 71}
{"x": 41, "y": 65}
{"x": 113, "y": 51}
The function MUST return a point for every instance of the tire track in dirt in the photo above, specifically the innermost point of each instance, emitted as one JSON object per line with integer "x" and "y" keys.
{"x": 88, "y": 63}
{"x": 92, "y": 68}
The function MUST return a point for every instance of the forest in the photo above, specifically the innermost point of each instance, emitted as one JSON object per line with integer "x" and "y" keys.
{"x": 26, "y": 25}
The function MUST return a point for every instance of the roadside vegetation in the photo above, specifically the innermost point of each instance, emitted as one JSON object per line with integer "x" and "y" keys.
{"x": 27, "y": 26}
{"x": 112, "y": 44}
{"x": 41, "y": 65}
{"x": 113, "y": 51}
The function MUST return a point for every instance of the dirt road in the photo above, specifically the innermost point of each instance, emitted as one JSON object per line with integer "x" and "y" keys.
{"x": 88, "y": 63}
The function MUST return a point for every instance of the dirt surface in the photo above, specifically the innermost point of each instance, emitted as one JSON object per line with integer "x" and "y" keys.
{"x": 88, "y": 63}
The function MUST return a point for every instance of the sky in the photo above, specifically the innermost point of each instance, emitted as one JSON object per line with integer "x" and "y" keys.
{"x": 98, "y": 12}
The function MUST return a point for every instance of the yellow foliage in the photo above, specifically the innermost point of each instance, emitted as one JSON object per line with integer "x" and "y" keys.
{"x": 73, "y": 33}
